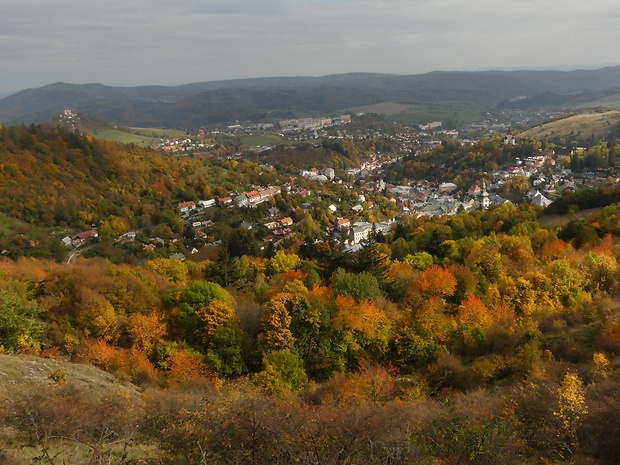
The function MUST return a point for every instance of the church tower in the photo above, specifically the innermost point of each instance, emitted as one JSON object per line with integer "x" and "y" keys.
{"x": 485, "y": 196}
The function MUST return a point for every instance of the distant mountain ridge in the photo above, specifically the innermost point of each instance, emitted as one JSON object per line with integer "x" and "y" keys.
{"x": 197, "y": 104}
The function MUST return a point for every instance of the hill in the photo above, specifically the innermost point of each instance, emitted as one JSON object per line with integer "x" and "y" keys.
{"x": 198, "y": 104}
{"x": 597, "y": 125}
{"x": 19, "y": 372}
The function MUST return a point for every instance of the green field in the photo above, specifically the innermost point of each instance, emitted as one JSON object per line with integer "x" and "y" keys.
{"x": 257, "y": 140}
{"x": 463, "y": 112}
{"x": 125, "y": 137}
{"x": 139, "y": 136}
{"x": 10, "y": 226}
{"x": 160, "y": 132}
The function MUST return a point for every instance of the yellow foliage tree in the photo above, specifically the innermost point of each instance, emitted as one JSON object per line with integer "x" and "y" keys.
{"x": 98, "y": 316}
{"x": 145, "y": 331}
{"x": 361, "y": 325}
{"x": 174, "y": 270}
{"x": 283, "y": 261}
{"x": 211, "y": 317}
{"x": 276, "y": 322}
{"x": 602, "y": 367}
{"x": 571, "y": 408}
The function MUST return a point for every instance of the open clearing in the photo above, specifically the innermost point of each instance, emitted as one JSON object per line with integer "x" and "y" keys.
{"x": 10, "y": 226}
{"x": 554, "y": 221}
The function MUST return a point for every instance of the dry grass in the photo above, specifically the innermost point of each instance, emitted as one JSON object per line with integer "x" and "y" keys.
{"x": 20, "y": 372}
{"x": 576, "y": 127}
{"x": 554, "y": 221}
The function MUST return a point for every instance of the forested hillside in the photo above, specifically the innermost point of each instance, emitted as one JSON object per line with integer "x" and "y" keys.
{"x": 475, "y": 338}
{"x": 466, "y": 322}
{"x": 198, "y": 104}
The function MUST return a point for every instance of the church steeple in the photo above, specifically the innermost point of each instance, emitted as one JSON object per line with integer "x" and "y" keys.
{"x": 485, "y": 196}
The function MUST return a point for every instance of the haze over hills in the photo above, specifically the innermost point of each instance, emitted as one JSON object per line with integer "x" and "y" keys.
{"x": 197, "y": 104}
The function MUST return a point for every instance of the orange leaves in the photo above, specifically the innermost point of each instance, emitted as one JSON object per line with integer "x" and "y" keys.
{"x": 185, "y": 367}
{"x": 606, "y": 245}
{"x": 555, "y": 250}
{"x": 132, "y": 363}
{"x": 289, "y": 282}
{"x": 362, "y": 323}
{"x": 371, "y": 383}
{"x": 24, "y": 269}
{"x": 436, "y": 281}
{"x": 473, "y": 312}
{"x": 320, "y": 293}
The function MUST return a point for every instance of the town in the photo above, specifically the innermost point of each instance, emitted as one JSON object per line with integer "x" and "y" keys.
{"x": 353, "y": 203}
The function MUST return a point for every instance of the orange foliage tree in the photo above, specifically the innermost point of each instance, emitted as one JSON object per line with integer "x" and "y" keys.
{"x": 436, "y": 281}
{"x": 361, "y": 326}
{"x": 473, "y": 312}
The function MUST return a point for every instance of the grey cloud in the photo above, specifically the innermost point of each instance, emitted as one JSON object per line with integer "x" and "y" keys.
{"x": 165, "y": 42}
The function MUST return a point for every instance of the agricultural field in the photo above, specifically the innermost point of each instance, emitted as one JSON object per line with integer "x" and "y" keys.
{"x": 386, "y": 108}
{"x": 259, "y": 140}
{"x": 139, "y": 136}
{"x": 165, "y": 133}
{"x": 125, "y": 137}
{"x": 461, "y": 112}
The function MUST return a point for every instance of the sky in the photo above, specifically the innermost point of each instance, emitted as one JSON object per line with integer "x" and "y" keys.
{"x": 171, "y": 42}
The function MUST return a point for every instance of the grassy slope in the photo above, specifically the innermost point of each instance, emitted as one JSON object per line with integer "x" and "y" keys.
{"x": 10, "y": 226}
{"x": 159, "y": 132}
{"x": 585, "y": 125}
{"x": 21, "y": 374}
{"x": 18, "y": 372}
{"x": 560, "y": 220}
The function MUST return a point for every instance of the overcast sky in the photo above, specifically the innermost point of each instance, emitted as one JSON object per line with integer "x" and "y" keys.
{"x": 169, "y": 42}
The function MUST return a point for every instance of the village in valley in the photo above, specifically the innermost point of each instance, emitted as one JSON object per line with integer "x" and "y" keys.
{"x": 373, "y": 203}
